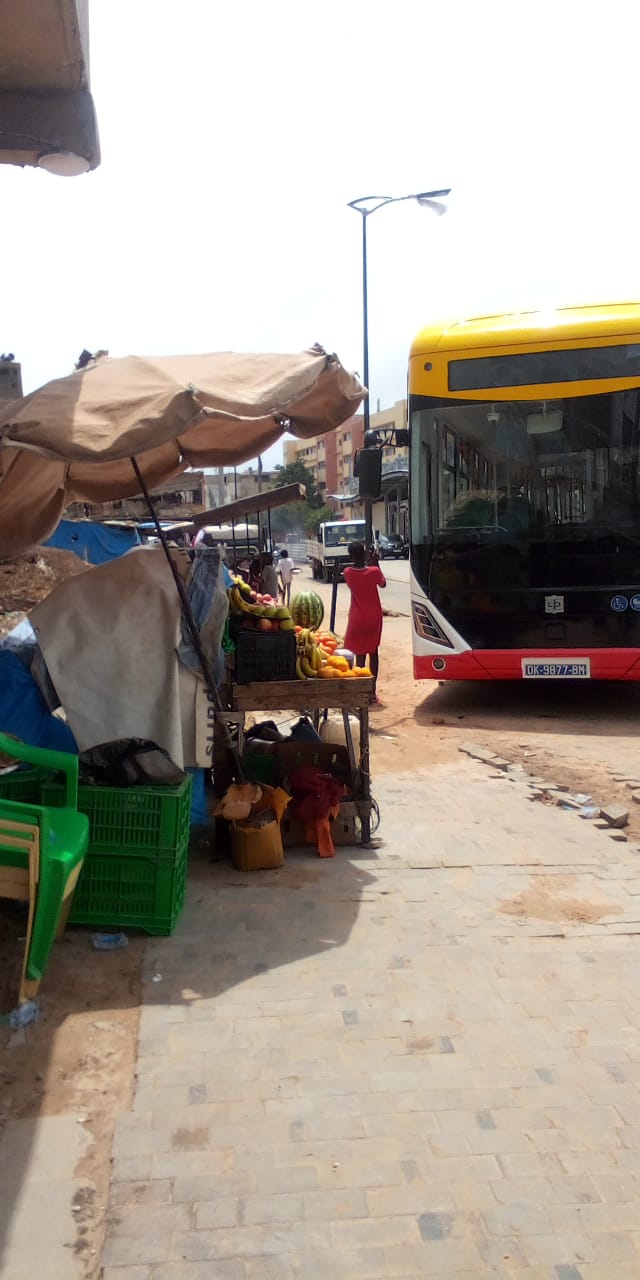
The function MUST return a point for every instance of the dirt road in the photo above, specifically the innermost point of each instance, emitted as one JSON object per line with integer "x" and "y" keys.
{"x": 582, "y": 735}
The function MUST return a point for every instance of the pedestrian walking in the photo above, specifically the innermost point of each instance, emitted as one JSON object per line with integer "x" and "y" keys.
{"x": 268, "y": 576}
{"x": 364, "y": 624}
{"x": 286, "y": 567}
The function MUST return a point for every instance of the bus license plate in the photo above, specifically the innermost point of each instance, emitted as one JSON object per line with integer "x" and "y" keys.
{"x": 541, "y": 669}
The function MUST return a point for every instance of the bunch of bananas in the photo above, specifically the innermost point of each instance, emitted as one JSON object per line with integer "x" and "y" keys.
{"x": 239, "y": 604}
{"x": 308, "y": 659}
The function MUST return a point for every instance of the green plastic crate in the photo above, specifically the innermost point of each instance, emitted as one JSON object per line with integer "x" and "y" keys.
{"x": 260, "y": 768}
{"x": 26, "y": 785}
{"x": 132, "y": 820}
{"x": 140, "y": 891}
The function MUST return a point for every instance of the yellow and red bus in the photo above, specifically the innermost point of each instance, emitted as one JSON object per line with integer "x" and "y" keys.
{"x": 525, "y": 496}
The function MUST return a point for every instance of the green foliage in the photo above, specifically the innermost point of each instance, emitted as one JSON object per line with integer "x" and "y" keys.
{"x": 316, "y": 518}
{"x": 299, "y": 515}
{"x": 297, "y": 473}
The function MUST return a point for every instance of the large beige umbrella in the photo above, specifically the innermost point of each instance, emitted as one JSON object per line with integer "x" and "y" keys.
{"x": 73, "y": 439}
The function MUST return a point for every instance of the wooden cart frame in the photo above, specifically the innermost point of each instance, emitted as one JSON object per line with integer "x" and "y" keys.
{"x": 313, "y": 698}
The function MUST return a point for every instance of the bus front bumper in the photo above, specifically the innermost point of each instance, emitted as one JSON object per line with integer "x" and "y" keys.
{"x": 506, "y": 664}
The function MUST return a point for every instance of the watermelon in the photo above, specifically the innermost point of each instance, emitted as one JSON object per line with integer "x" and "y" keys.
{"x": 307, "y": 609}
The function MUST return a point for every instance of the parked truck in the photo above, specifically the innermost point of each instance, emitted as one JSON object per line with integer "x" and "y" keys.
{"x": 332, "y": 545}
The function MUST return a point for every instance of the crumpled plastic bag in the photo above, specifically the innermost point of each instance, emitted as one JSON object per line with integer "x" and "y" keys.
{"x": 129, "y": 762}
{"x": 316, "y": 800}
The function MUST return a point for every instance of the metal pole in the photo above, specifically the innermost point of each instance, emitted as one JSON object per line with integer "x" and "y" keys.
{"x": 261, "y": 538}
{"x": 368, "y": 505}
{"x": 428, "y": 199}
{"x": 334, "y": 595}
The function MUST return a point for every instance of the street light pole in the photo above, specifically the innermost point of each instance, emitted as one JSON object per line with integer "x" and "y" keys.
{"x": 365, "y": 206}
{"x": 365, "y": 325}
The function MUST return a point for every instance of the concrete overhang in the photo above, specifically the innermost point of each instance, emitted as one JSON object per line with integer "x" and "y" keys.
{"x": 47, "y": 115}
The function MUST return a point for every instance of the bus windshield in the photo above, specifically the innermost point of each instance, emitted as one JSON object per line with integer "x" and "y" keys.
{"x": 559, "y": 469}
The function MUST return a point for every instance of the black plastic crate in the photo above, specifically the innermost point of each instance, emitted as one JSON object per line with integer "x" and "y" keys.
{"x": 265, "y": 655}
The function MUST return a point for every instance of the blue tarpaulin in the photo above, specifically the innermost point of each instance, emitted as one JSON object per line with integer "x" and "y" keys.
{"x": 23, "y": 710}
{"x": 95, "y": 543}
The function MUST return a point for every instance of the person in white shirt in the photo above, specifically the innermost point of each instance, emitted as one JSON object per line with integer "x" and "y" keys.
{"x": 286, "y": 567}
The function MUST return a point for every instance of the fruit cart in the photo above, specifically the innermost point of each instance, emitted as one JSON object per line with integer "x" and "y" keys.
{"x": 285, "y": 662}
{"x": 313, "y": 697}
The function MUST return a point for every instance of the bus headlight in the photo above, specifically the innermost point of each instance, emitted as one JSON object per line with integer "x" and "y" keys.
{"x": 427, "y": 627}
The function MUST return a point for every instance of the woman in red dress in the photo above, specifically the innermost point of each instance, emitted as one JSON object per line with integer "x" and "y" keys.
{"x": 364, "y": 625}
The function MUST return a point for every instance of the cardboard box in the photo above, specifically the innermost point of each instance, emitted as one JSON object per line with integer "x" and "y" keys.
{"x": 256, "y": 848}
{"x": 343, "y": 828}
{"x": 259, "y": 848}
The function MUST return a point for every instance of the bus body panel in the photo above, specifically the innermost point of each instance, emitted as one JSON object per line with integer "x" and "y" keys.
{"x": 525, "y": 496}
{"x": 540, "y": 329}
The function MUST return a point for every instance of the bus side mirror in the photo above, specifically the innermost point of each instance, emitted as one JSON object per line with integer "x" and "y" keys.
{"x": 368, "y": 469}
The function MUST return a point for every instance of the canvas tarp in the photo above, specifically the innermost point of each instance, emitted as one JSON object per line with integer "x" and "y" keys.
{"x": 72, "y": 440}
{"x": 109, "y": 642}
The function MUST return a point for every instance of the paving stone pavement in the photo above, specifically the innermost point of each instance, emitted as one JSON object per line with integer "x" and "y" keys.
{"x": 416, "y": 1061}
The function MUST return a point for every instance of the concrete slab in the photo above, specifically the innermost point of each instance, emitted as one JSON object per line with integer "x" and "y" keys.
{"x": 39, "y": 1232}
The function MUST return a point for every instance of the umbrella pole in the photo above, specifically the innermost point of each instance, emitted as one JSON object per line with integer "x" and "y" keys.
{"x": 187, "y": 613}
{"x": 235, "y": 549}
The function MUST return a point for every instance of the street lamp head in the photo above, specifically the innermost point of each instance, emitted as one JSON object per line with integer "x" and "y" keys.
{"x": 436, "y": 206}
{"x": 433, "y": 195}
{"x": 433, "y": 200}
{"x": 429, "y": 199}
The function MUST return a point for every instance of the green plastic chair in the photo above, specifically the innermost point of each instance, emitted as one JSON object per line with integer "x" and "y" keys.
{"x": 42, "y": 850}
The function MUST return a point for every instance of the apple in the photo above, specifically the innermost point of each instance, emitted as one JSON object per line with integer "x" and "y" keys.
{"x": 264, "y": 625}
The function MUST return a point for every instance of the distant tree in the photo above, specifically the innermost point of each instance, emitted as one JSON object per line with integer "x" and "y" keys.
{"x": 297, "y": 514}
{"x": 316, "y": 517}
{"x": 297, "y": 473}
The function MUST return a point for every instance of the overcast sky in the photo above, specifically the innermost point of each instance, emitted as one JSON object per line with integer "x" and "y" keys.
{"x": 233, "y": 136}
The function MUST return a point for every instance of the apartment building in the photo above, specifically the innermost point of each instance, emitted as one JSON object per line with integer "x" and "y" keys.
{"x": 314, "y": 454}
{"x": 329, "y": 458}
{"x": 393, "y": 517}
{"x": 176, "y": 500}
{"x": 225, "y": 486}
{"x": 10, "y": 378}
